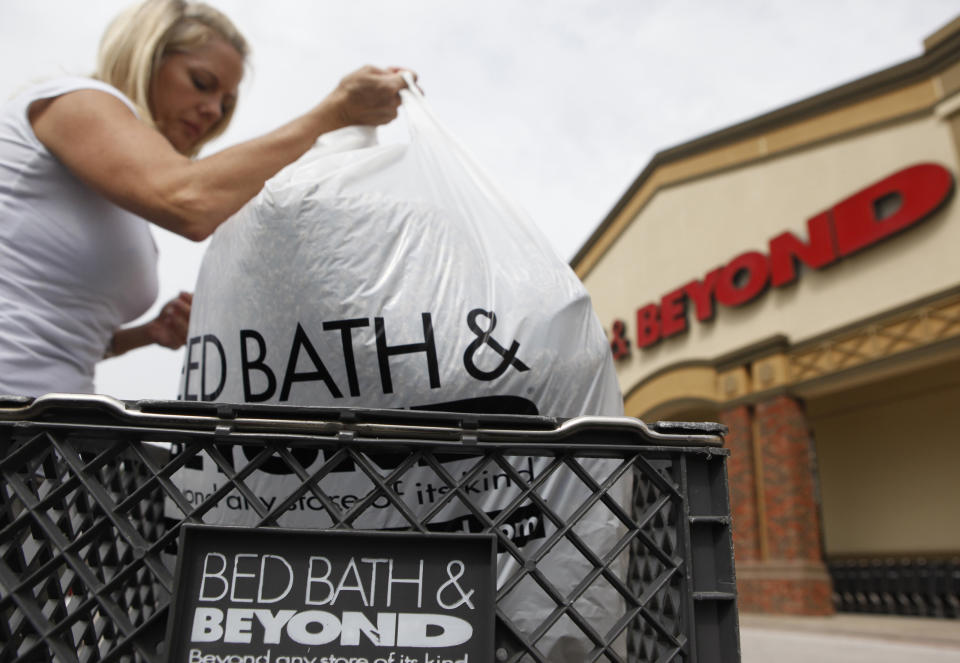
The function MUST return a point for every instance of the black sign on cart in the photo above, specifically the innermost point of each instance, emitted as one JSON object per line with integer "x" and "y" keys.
{"x": 271, "y": 595}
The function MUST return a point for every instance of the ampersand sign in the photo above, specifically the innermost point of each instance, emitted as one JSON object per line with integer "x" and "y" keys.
{"x": 619, "y": 344}
{"x": 509, "y": 356}
{"x": 464, "y": 596}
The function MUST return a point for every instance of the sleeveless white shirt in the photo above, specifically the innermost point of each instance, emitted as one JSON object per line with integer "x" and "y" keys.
{"x": 73, "y": 266}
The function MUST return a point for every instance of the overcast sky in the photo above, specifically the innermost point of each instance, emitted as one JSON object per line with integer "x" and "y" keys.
{"x": 562, "y": 101}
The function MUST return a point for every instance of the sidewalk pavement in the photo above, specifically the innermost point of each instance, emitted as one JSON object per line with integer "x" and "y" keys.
{"x": 847, "y": 638}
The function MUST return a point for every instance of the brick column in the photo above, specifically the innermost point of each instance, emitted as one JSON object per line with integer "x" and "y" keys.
{"x": 743, "y": 484}
{"x": 780, "y": 569}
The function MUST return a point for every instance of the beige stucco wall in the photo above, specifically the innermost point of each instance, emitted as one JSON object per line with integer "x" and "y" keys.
{"x": 888, "y": 457}
{"x": 689, "y": 229}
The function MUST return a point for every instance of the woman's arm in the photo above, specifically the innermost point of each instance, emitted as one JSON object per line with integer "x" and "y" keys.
{"x": 98, "y": 139}
{"x": 168, "y": 329}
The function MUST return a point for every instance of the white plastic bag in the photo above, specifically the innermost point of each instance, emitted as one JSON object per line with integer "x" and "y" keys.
{"x": 398, "y": 276}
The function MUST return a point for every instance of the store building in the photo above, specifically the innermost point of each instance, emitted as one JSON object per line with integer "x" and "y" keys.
{"x": 797, "y": 277}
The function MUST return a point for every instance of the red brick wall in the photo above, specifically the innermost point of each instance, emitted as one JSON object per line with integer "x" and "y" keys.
{"x": 779, "y": 561}
{"x": 792, "y": 517}
{"x": 790, "y": 596}
{"x": 743, "y": 493}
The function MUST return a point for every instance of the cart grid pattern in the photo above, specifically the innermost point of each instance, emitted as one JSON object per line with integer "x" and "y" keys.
{"x": 87, "y": 549}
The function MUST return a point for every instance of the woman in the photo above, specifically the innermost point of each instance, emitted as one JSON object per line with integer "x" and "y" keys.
{"x": 86, "y": 163}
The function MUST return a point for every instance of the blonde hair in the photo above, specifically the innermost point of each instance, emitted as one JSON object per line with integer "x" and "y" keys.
{"x": 136, "y": 42}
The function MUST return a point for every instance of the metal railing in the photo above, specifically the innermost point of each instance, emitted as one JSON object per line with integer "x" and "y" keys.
{"x": 917, "y": 586}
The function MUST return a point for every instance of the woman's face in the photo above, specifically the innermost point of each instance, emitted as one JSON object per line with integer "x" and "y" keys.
{"x": 191, "y": 91}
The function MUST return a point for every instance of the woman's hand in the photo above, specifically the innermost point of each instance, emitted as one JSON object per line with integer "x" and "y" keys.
{"x": 368, "y": 96}
{"x": 169, "y": 328}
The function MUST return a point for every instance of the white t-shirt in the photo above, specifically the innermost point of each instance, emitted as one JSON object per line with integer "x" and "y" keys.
{"x": 73, "y": 266}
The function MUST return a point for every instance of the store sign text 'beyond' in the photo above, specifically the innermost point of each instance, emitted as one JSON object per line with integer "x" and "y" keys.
{"x": 877, "y": 212}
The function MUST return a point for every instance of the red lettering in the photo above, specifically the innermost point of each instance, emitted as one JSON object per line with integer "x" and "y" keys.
{"x": 921, "y": 189}
{"x": 673, "y": 313}
{"x": 701, "y": 292}
{"x": 648, "y": 326}
{"x": 876, "y": 212}
{"x": 786, "y": 249}
{"x": 619, "y": 344}
{"x": 743, "y": 279}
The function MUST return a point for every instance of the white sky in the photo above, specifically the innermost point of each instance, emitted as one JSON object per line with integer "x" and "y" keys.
{"x": 563, "y": 101}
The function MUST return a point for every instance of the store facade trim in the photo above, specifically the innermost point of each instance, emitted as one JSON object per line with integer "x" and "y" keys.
{"x": 886, "y": 345}
{"x": 677, "y": 168}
